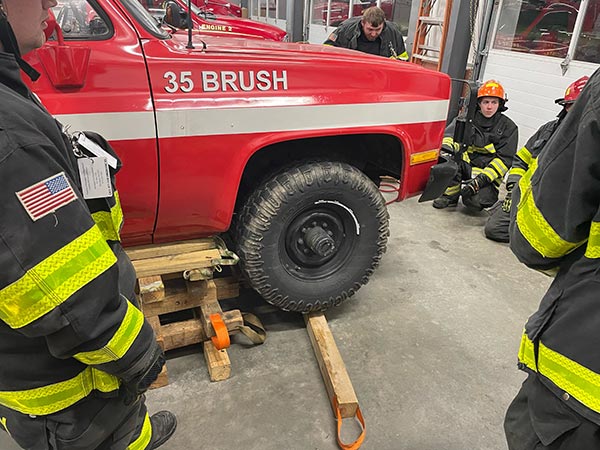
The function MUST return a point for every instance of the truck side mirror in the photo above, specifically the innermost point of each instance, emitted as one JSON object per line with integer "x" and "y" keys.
{"x": 65, "y": 65}
{"x": 175, "y": 15}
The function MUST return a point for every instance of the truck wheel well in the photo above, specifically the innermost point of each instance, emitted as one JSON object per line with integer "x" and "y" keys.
{"x": 373, "y": 154}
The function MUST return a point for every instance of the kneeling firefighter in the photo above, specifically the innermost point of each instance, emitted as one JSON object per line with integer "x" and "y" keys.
{"x": 77, "y": 353}
{"x": 496, "y": 227}
{"x": 493, "y": 143}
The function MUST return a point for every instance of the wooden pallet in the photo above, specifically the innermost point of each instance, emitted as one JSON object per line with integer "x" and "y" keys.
{"x": 165, "y": 286}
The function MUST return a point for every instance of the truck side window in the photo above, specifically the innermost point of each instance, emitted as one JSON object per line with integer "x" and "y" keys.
{"x": 80, "y": 21}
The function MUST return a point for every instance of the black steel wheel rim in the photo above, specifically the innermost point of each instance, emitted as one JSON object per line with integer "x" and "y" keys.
{"x": 339, "y": 225}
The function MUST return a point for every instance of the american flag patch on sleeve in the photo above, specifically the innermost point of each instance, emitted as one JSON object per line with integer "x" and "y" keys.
{"x": 46, "y": 196}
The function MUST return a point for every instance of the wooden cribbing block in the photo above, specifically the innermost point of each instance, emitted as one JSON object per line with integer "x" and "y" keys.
{"x": 175, "y": 263}
{"x": 206, "y": 293}
{"x": 163, "y": 377}
{"x": 188, "y": 332}
{"x": 219, "y": 365}
{"x": 152, "y": 289}
{"x": 333, "y": 369}
{"x": 180, "y": 299}
{"x": 175, "y": 248}
{"x": 155, "y": 324}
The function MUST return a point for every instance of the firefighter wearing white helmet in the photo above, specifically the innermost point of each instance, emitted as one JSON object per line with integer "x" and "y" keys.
{"x": 488, "y": 158}
{"x": 77, "y": 354}
{"x": 496, "y": 227}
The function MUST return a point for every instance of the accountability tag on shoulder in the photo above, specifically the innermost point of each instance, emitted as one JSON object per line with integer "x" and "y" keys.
{"x": 95, "y": 178}
{"x": 96, "y": 150}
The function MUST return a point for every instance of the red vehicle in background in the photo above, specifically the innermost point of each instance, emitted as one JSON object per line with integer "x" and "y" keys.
{"x": 175, "y": 14}
{"x": 219, "y": 7}
{"x": 340, "y": 11}
{"x": 257, "y": 139}
{"x": 546, "y": 28}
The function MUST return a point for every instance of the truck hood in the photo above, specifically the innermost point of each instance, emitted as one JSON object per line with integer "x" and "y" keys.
{"x": 340, "y": 67}
{"x": 299, "y": 51}
{"x": 226, "y": 25}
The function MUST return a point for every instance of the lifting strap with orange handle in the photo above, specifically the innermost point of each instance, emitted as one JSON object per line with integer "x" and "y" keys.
{"x": 359, "y": 440}
{"x": 221, "y": 338}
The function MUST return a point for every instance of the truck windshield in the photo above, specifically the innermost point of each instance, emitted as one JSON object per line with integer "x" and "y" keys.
{"x": 200, "y": 12}
{"x": 144, "y": 18}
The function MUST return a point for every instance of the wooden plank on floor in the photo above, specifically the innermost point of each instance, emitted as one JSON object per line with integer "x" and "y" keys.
{"x": 336, "y": 378}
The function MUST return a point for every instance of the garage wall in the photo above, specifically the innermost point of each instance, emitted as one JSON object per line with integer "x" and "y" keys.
{"x": 537, "y": 50}
{"x": 532, "y": 83}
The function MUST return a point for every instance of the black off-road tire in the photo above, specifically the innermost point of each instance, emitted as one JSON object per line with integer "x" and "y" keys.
{"x": 312, "y": 235}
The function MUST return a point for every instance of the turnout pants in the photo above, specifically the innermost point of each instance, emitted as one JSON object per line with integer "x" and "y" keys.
{"x": 92, "y": 424}
{"x": 496, "y": 227}
{"x": 486, "y": 196}
{"x": 538, "y": 420}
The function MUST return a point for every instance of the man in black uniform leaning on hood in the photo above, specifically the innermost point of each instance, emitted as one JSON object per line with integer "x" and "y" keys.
{"x": 370, "y": 33}
{"x": 77, "y": 353}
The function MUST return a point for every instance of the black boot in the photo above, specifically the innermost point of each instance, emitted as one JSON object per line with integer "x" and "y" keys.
{"x": 164, "y": 424}
{"x": 445, "y": 201}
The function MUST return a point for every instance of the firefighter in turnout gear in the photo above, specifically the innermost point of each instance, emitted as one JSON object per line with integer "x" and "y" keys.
{"x": 496, "y": 227}
{"x": 77, "y": 354}
{"x": 370, "y": 33}
{"x": 488, "y": 158}
{"x": 555, "y": 228}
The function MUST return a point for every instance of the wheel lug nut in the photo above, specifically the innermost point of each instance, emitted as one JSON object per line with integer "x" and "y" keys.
{"x": 323, "y": 225}
{"x": 300, "y": 241}
{"x": 330, "y": 233}
{"x": 314, "y": 224}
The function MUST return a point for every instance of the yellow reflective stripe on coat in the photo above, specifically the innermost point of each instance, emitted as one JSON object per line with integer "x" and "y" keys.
{"x": 490, "y": 173}
{"x": 580, "y": 382}
{"x": 499, "y": 166}
{"x": 55, "y": 279}
{"x": 535, "y": 228}
{"x": 516, "y": 171}
{"x": 58, "y": 396}
{"x": 526, "y": 352}
{"x": 449, "y": 142}
{"x": 487, "y": 150}
{"x": 490, "y": 148}
{"x": 121, "y": 341}
{"x": 593, "y": 246}
{"x": 452, "y": 190}
{"x": 143, "y": 440}
{"x": 524, "y": 155}
{"x": 110, "y": 223}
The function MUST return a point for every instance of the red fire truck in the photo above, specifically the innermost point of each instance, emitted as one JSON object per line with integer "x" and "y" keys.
{"x": 175, "y": 14}
{"x": 279, "y": 145}
{"x": 221, "y": 7}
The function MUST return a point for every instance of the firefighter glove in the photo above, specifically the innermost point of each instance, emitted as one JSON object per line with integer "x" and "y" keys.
{"x": 507, "y": 202}
{"x": 474, "y": 186}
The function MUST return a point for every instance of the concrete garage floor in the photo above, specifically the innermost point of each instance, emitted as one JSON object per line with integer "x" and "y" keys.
{"x": 430, "y": 345}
